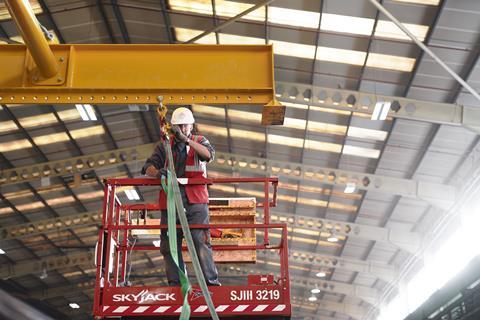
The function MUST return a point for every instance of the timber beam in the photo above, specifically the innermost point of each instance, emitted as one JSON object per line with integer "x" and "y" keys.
{"x": 363, "y": 102}
{"x": 439, "y": 195}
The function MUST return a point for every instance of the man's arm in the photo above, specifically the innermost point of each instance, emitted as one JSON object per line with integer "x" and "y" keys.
{"x": 202, "y": 151}
{"x": 153, "y": 166}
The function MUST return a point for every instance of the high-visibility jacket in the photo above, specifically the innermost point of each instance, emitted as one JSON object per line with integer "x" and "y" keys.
{"x": 194, "y": 168}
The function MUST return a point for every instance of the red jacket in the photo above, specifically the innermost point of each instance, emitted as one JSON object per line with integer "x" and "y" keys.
{"x": 194, "y": 168}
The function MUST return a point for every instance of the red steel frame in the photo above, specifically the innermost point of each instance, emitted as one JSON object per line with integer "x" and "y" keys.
{"x": 268, "y": 300}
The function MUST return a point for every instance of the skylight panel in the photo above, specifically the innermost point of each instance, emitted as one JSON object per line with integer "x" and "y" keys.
{"x": 197, "y": 6}
{"x": 39, "y": 120}
{"x": 294, "y": 123}
{"x": 323, "y": 146}
{"x": 305, "y": 19}
{"x": 222, "y": 8}
{"x": 295, "y": 105}
{"x": 5, "y": 15}
{"x": 6, "y": 126}
{"x": 208, "y": 111}
{"x": 246, "y": 134}
{"x": 388, "y": 29}
{"x": 329, "y": 128}
{"x": 385, "y": 61}
{"x": 245, "y": 116}
{"x": 51, "y": 138}
{"x": 346, "y": 24}
{"x": 213, "y": 130}
{"x": 184, "y": 34}
{"x": 234, "y": 39}
{"x": 293, "y": 49}
{"x": 368, "y": 134}
{"x": 14, "y": 145}
{"x": 361, "y": 152}
{"x": 231, "y": 8}
{"x": 291, "y": 17}
{"x": 341, "y": 55}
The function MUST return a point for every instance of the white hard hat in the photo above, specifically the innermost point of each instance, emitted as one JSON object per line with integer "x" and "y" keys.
{"x": 182, "y": 116}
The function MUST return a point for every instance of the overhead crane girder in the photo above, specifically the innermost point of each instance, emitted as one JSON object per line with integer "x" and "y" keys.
{"x": 138, "y": 74}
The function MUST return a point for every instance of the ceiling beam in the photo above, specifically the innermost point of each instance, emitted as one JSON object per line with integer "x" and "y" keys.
{"x": 439, "y": 195}
{"x": 411, "y": 109}
{"x": 367, "y": 294}
{"x": 46, "y": 264}
{"x": 408, "y": 241}
{"x": 354, "y": 311}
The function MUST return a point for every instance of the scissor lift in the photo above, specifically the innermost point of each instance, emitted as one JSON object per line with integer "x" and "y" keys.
{"x": 260, "y": 296}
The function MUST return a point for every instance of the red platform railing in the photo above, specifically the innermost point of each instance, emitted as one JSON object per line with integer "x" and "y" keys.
{"x": 263, "y": 296}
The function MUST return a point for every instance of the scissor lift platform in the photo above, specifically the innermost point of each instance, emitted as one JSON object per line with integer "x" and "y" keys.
{"x": 259, "y": 297}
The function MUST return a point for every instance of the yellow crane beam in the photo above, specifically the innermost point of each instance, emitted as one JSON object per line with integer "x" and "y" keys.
{"x": 137, "y": 74}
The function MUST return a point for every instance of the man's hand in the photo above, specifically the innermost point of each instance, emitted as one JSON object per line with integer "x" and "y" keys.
{"x": 161, "y": 173}
{"x": 179, "y": 134}
{"x": 153, "y": 172}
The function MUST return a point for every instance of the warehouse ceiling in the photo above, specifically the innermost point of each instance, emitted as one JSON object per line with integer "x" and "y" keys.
{"x": 333, "y": 60}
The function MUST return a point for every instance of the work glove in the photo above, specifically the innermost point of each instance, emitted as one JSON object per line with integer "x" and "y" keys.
{"x": 161, "y": 173}
{"x": 179, "y": 134}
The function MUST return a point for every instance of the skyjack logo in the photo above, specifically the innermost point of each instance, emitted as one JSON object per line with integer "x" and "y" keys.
{"x": 144, "y": 296}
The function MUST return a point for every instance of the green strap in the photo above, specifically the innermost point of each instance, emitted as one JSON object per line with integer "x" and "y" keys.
{"x": 177, "y": 198}
{"x": 172, "y": 240}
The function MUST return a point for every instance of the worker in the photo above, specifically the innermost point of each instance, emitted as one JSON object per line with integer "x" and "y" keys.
{"x": 190, "y": 154}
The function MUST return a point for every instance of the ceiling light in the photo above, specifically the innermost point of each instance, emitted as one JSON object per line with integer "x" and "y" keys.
{"x": 312, "y": 298}
{"x": 321, "y": 274}
{"x": 381, "y": 109}
{"x": 156, "y": 243}
{"x": 73, "y": 305}
{"x": 132, "y": 194}
{"x": 86, "y": 112}
{"x": 2, "y": 252}
{"x": 350, "y": 187}
{"x": 315, "y": 290}
{"x": 425, "y": 2}
{"x": 332, "y": 238}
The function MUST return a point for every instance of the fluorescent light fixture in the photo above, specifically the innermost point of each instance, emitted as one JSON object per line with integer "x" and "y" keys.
{"x": 315, "y": 290}
{"x": 321, "y": 274}
{"x": 381, "y": 109}
{"x": 312, "y": 298}
{"x": 2, "y": 252}
{"x": 86, "y": 112}
{"x": 425, "y": 2}
{"x": 156, "y": 243}
{"x": 132, "y": 194}
{"x": 332, "y": 237}
{"x": 73, "y": 305}
{"x": 350, "y": 187}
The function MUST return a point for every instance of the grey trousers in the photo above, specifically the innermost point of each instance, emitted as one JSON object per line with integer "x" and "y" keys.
{"x": 196, "y": 214}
